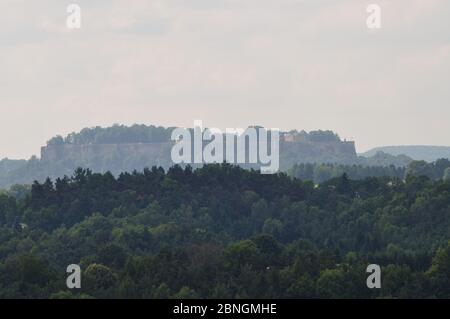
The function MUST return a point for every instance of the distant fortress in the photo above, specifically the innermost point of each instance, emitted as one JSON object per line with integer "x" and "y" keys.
{"x": 121, "y": 148}
{"x": 295, "y": 147}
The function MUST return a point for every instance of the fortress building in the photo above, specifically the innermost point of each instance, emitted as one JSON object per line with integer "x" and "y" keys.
{"x": 294, "y": 149}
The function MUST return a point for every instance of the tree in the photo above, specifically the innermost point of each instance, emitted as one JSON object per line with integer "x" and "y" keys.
{"x": 439, "y": 272}
{"x": 419, "y": 168}
{"x": 332, "y": 283}
{"x": 242, "y": 253}
{"x": 225, "y": 232}
{"x": 273, "y": 226}
{"x": 186, "y": 293}
{"x": 99, "y": 281}
{"x": 447, "y": 174}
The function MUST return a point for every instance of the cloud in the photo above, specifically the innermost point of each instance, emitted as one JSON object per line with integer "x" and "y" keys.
{"x": 286, "y": 63}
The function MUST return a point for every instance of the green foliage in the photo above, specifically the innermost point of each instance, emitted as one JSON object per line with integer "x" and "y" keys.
{"x": 447, "y": 174}
{"x": 186, "y": 293}
{"x": 225, "y": 232}
{"x": 115, "y": 134}
{"x": 320, "y": 173}
{"x": 323, "y": 136}
{"x": 99, "y": 280}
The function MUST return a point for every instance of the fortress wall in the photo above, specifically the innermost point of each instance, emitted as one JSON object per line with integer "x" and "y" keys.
{"x": 79, "y": 152}
{"x": 135, "y": 155}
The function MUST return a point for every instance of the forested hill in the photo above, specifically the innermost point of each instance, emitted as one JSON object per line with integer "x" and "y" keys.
{"x": 121, "y": 148}
{"x": 427, "y": 153}
{"x": 140, "y": 133}
{"x": 116, "y": 134}
{"x": 225, "y": 232}
{"x": 320, "y": 173}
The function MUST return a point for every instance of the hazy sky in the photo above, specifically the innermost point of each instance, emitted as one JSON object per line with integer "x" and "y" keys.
{"x": 231, "y": 63}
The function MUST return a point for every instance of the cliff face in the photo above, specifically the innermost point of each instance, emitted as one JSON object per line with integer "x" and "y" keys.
{"x": 126, "y": 157}
{"x": 87, "y": 152}
{"x": 59, "y": 160}
{"x": 109, "y": 157}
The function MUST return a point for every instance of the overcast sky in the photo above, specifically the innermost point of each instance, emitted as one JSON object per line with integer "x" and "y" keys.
{"x": 290, "y": 64}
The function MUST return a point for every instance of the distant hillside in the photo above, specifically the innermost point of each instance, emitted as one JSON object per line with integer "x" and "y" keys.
{"x": 385, "y": 159}
{"x": 116, "y": 134}
{"x": 122, "y": 148}
{"x": 416, "y": 152}
{"x": 145, "y": 134}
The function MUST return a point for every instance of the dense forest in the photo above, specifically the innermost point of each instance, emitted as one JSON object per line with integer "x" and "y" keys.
{"x": 427, "y": 153}
{"x": 225, "y": 232}
{"x": 116, "y": 134}
{"x": 320, "y": 173}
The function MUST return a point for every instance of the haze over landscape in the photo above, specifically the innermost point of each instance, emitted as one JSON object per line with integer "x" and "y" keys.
{"x": 338, "y": 188}
{"x": 288, "y": 64}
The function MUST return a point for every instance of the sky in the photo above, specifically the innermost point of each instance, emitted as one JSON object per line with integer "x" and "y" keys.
{"x": 288, "y": 64}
